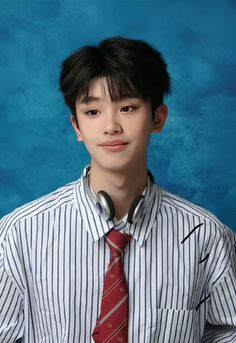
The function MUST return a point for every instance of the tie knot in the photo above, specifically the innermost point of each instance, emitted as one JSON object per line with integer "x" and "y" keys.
{"x": 117, "y": 241}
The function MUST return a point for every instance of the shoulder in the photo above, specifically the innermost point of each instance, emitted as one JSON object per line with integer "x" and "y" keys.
{"x": 200, "y": 229}
{"x": 193, "y": 215}
{"x": 49, "y": 202}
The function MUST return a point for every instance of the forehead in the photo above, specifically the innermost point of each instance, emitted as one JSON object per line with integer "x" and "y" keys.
{"x": 99, "y": 87}
{"x": 96, "y": 91}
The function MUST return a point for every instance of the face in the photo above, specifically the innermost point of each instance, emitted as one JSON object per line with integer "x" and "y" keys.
{"x": 101, "y": 121}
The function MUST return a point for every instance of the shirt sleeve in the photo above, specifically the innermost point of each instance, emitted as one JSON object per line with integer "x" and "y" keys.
{"x": 221, "y": 319}
{"x": 11, "y": 296}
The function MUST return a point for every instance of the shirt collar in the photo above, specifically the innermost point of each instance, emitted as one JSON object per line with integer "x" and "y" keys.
{"x": 97, "y": 226}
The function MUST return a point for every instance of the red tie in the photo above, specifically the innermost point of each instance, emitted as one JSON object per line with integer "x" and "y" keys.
{"x": 112, "y": 324}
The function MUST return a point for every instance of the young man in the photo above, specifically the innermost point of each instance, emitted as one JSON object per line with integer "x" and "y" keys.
{"x": 113, "y": 257}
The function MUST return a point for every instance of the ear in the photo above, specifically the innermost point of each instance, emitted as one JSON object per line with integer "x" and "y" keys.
{"x": 161, "y": 115}
{"x": 74, "y": 122}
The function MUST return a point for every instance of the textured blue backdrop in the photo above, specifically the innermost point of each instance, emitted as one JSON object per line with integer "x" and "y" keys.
{"x": 194, "y": 157}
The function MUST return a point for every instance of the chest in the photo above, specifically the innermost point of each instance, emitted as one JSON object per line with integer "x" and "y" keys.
{"x": 163, "y": 273}
{"x": 65, "y": 278}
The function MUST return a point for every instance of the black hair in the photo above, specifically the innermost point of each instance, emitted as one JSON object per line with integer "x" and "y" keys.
{"x": 131, "y": 68}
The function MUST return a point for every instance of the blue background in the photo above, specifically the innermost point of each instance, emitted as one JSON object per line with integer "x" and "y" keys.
{"x": 195, "y": 155}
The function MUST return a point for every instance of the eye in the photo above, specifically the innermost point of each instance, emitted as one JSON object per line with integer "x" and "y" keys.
{"x": 128, "y": 108}
{"x": 91, "y": 113}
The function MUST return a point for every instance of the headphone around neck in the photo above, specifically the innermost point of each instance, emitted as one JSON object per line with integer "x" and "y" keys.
{"x": 104, "y": 204}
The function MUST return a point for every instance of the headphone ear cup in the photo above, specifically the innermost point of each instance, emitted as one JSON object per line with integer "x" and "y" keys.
{"x": 135, "y": 207}
{"x": 108, "y": 203}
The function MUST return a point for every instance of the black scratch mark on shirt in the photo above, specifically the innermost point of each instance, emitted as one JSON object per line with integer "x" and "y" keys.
{"x": 204, "y": 259}
{"x": 195, "y": 228}
{"x": 202, "y": 301}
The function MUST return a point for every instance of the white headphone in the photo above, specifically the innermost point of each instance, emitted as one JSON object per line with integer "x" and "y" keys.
{"x": 104, "y": 204}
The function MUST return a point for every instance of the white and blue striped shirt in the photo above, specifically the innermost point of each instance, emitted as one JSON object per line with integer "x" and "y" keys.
{"x": 180, "y": 268}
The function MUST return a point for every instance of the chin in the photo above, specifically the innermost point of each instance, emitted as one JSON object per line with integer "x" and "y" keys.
{"x": 121, "y": 168}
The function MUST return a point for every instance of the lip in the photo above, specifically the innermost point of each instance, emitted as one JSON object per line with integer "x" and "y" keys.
{"x": 115, "y": 148}
{"x": 111, "y": 143}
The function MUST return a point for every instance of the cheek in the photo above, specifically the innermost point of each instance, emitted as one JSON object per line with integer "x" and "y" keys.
{"x": 86, "y": 131}
{"x": 90, "y": 138}
{"x": 141, "y": 129}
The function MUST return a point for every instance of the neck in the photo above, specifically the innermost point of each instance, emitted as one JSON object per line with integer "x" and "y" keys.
{"x": 122, "y": 187}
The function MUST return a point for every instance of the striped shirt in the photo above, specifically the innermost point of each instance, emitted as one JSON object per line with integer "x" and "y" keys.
{"x": 180, "y": 267}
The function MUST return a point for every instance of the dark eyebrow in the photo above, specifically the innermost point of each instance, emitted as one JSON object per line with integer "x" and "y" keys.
{"x": 88, "y": 99}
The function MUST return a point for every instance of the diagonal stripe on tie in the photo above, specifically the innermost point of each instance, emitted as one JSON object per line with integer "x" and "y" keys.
{"x": 114, "y": 245}
{"x": 113, "y": 263}
{"x": 114, "y": 310}
{"x": 117, "y": 332}
{"x": 115, "y": 285}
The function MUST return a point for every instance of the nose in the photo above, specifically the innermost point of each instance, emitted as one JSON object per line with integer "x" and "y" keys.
{"x": 112, "y": 125}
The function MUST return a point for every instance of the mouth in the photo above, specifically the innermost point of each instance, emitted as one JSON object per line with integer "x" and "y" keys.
{"x": 115, "y": 148}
